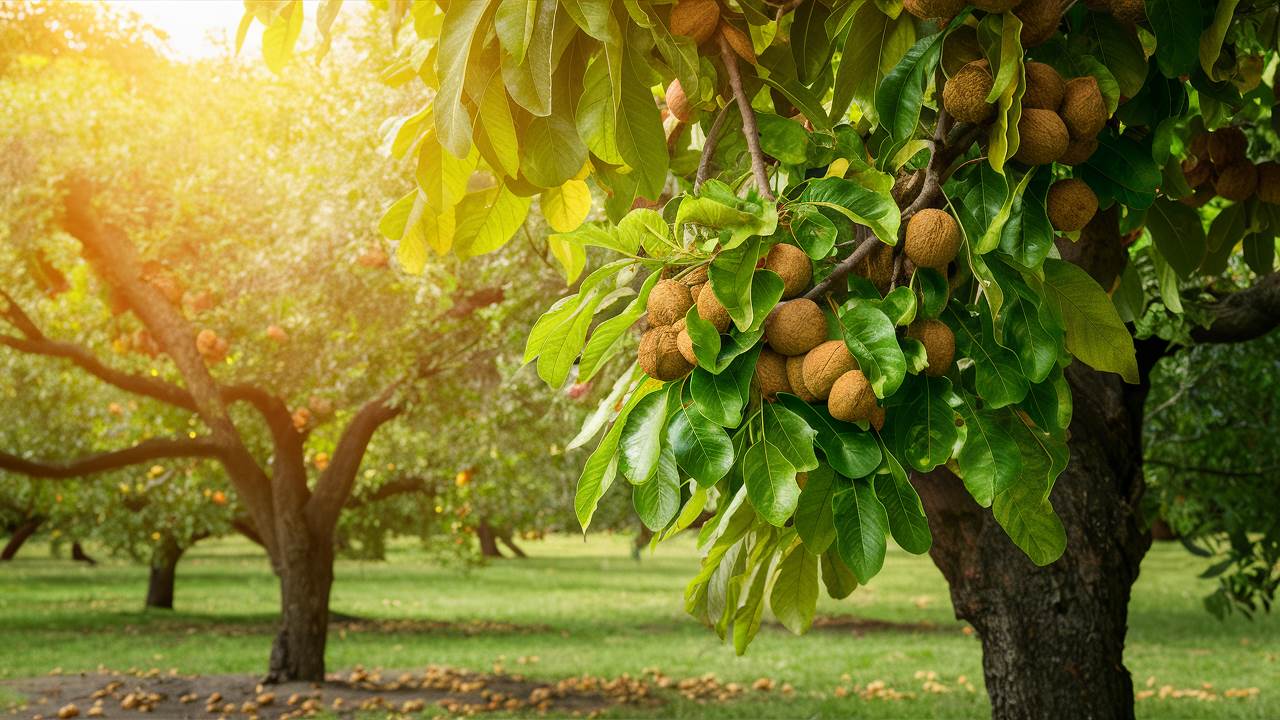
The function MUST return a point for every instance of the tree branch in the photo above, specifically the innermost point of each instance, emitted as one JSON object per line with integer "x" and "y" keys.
{"x": 402, "y": 486}
{"x": 146, "y": 451}
{"x": 1245, "y": 314}
{"x": 709, "y": 147}
{"x": 846, "y": 266}
{"x": 749, "y": 128}
{"x": 334, "y": 486}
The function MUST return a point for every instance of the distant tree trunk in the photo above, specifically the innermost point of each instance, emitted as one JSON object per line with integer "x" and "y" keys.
{"x": 643, "y": 536}
{"x": 78, "y": 554}
{"x": 164, "y": 570}
{"x": 488, "y": 540}
{"x": 1053, "y": 637}
{"x": 506, "y": 536}
{"x": 20, "y": 536}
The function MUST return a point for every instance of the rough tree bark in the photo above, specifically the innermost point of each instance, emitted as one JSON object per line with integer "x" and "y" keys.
{"x": 164, "y": 574}
{"x": 21, "y": 535}
{"x": 1053, "y": 637}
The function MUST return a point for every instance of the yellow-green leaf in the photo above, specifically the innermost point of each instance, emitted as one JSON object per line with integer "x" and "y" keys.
{"x": 281, "y": 35}
{"x": 571, "y": 254}
{"x": 488, "y": 219}
{"x": 566, "y": 207}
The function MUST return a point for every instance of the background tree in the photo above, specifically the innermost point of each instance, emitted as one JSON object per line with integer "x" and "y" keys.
{"x": 250, "y": 330}
{"x": 964, "y": 184}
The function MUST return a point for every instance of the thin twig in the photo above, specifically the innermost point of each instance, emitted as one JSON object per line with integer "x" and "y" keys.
{"x": 709, "y": 147}
{"x": 846, "y": 266}
{"x": 749, "y": 128}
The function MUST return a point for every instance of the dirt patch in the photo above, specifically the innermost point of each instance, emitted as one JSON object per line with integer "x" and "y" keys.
{"x": 436, "y": 691}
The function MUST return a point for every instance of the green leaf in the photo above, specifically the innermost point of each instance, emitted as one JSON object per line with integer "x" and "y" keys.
{"x": 608, "y": 335}
{"x": 499, "y": 127}
{"x": 1176, "y": 24}
{"x": 1211, "y": 39}
{"x": 514, "y": 23}
{"x": 923, "y": 423}
{"x": 599, "y": 470}
{"x": 794, "y": 598}
{"x": 810, "y": 45}
{"x": 836, "y": 575}
{"x": 646, "y": 228}
{"x": 640, "y": 139}
{"x": 1095, "y": 334}
{"x": 989, "y": 462}
{"x": 870, "y": 335}
{"x": 852, "y": 451}
{"x": 731, "y": 274}
{"x": 1116, "y": 45}
{"x": 657, "y": 500}
{"x": 722, "y": 397}
{"x": 933, "y": 289}
{"x": 903, "y": 509}
{"x": 1177, "y": 232}
{"x": 1000, "y": 36}
{"x": 899, "y": 305}
{"x": 706, "y": 341}
{"x": 1029, "y": 520}
{"x": 783, "y": 138}
{"x": 901, "y": 95}
{"x": 741, "y": 224}
{"x": 861, "y": 525}
{"x": 860, "y": 204}
{"x": 641, "y": 439}
{"x": 792, "y": 435}
{"x": 1121, "y": 170}
{"x": 596, "y": 116}
{"x": 564, "y": 343}
{"x": 558, "y": 153}
{"x": 998, "y": 375}
{"x": 487, "y": 219}
{"x": 570, "y": 254}
{"x": 1028, "y": 235}
{"x": 771, "y": 482}
{"x": 874, "y": 44}
{"x": 813, "y": 231}
{"x": 457, "y": 34}
{"x": 815, "y": 522}
{"x": 701, "y": 446}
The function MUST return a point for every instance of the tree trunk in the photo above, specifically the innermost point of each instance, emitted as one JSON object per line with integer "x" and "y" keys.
{"x": 508, "y": 539}
{"x": 306, "y": 577}
{"x": 488, "y": 540}
{"x": 79, "y": 555}
{"x": 164, "y": 573}
{"x": 20, "y": 536}
{"x": 1053, "y": 637}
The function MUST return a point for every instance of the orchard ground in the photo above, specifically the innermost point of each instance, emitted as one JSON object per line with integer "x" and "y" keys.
{"x": 891, "y": 650}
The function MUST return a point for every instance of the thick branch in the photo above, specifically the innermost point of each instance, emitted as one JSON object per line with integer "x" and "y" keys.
{"x": 1245, "y": 314}
{"x": 333, "y": 489}
{"x": 749, "y": 128}
{"x": 153, "y": 388}
{"x": 403, "y": 486}
{"x": 146, "y": 451}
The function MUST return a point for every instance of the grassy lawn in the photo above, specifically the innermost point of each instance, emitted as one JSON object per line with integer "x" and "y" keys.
{"x": 581, "y": 607}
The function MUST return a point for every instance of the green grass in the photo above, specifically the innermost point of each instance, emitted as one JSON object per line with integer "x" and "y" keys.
{"x": 588, "y": 608}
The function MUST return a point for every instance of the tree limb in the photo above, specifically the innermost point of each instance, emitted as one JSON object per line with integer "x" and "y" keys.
{"x": 846, "y": 266}
{"x": 1244, "y": 315}
{"x": 709, "y": 147}
{"x": 333, "y": 488}
{"x": 749, "y": 128}
{"x": 146, "y": 451}
{"x": 402, "y": 486}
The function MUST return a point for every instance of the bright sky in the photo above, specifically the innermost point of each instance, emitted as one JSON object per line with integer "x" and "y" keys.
{"x": 198, "y": 28}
